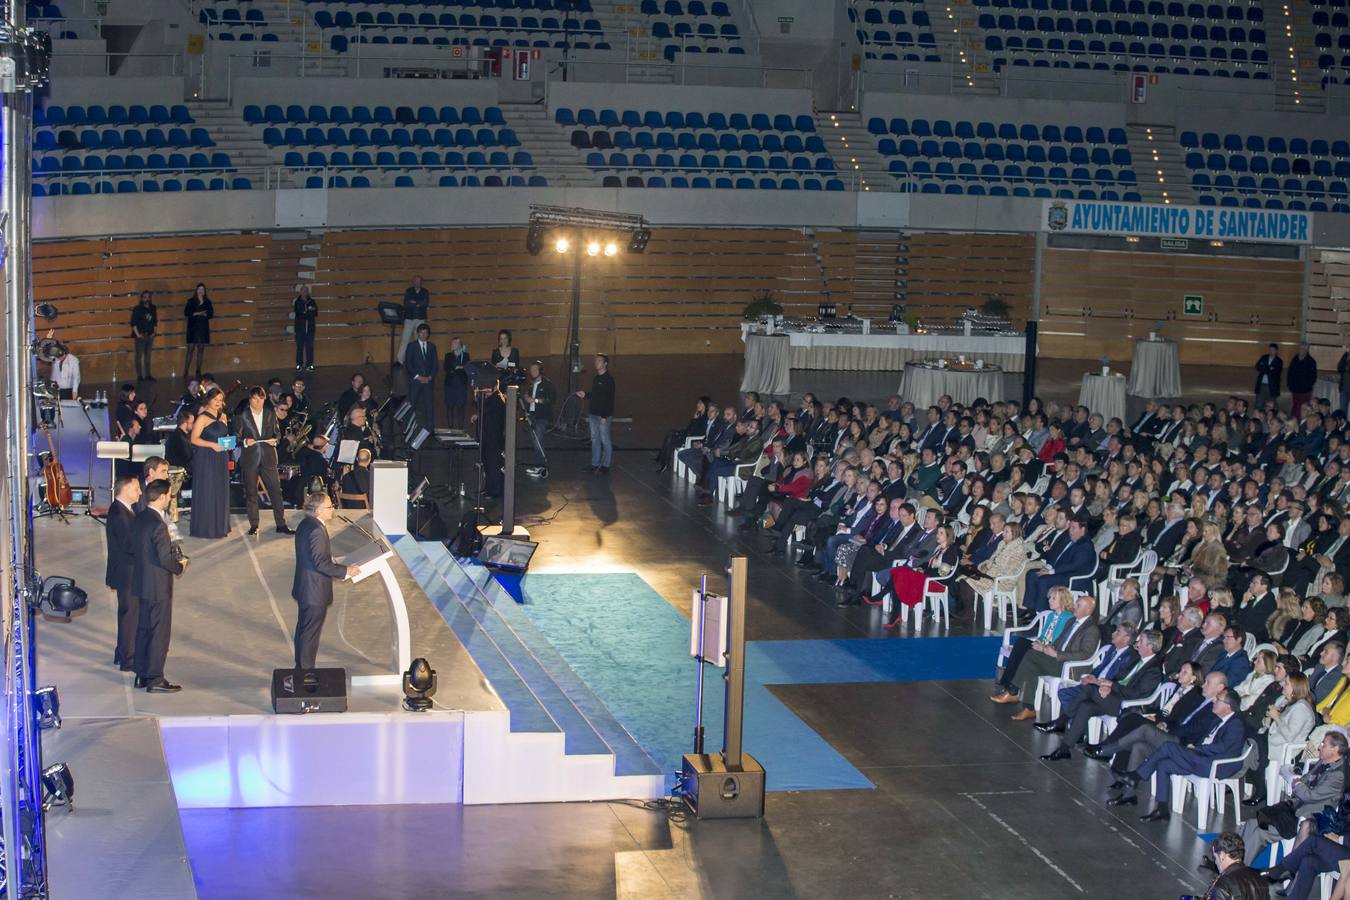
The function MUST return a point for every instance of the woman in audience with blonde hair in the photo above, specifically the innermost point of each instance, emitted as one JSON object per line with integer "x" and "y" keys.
{"x": 1308, "y": 629}
{"x": 1261, "y": 676}
{"x": 1284, "y": 620}
{"x": 1221, "y": 598}
{"x": 1209, "y": 559}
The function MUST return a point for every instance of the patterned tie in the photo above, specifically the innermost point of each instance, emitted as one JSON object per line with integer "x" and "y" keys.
{"x": 1133, "y": 672}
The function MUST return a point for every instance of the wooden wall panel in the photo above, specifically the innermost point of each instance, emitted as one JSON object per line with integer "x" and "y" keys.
{"x": 1329, "y": 306}
{"x": 946, "y": 273}
{"x": 1096, "y": 303}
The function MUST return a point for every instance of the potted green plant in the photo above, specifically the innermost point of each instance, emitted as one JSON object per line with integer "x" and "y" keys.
{"x": 761, "y": 305}
{"x": 995, "y": 307}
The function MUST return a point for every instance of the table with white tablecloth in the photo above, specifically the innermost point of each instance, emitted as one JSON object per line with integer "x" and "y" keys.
{"x": 766, "y": 364}
{"x": 1156, "y": 369}
{"x": 890, "y": 352}
{"x": 922, "y": 385}
{"x": 1328, "y": 389}
{"x": 1104, "y": 394}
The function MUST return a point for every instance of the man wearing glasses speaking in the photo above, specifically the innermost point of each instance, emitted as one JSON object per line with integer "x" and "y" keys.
{"x": 314, "y": 574}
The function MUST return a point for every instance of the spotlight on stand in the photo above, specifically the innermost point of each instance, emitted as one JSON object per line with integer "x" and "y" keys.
{"x": 562, "y": 245}
{"x": 638, "y": 242}
{"x": 534, "y": 240}
{"x": 47, "y": 311}
{"x": 611, "y": 248}
{"x": 419, "y": 685}
{"x": 60, "y": 597}
{"x": 58, "y": 786}
{"x": 47, "y": 706}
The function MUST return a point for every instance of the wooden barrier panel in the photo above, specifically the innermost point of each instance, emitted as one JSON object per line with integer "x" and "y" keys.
{"x": 1098, "y": 303}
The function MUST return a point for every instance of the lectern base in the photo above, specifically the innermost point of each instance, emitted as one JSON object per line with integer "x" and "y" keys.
{"x": 712, "y": 792}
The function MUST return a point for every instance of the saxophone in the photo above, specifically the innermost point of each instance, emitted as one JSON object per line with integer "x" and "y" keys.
{"x": 177, "y": 475}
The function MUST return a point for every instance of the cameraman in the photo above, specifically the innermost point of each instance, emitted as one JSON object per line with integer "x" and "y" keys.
{"x": 539, "y": 399}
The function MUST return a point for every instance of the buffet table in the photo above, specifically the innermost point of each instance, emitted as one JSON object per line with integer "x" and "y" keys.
{"x": 923, "y": 384}
{"x": 889, "y": 352}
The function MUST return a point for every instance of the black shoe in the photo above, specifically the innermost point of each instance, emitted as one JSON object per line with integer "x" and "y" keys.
{"x": 542, "y": 473}
{"x": 1057, "y": 754}
{"x": 849, "y": 599}
{"x": 1276, "y": 874}
{"x": 163, "y": 686}
{"x": 603, "y": 470}
{"x": 1160, "y": 814}
{"x": 808, "y": 561}
{"x": 1253, "y": 801}
{"x": 661, "y": 467}
{"x": 1052, "y": 727}
{"x": 253, "y": 530}
{"x": 1124, "y": 800}
{"x": 1095, "y": 751}
{"x": 139, "y": 683}
{"x": 593, "y": 469}
{"x": 285, "y": 529}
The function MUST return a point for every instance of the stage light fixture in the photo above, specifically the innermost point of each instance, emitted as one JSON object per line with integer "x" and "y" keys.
{"x": 534, "y": 240}
{"x": 58, "y": 786}
{"x": 47, "y": 311}
{"x": 611, "y": 248}
{"x": 593, "y": 248}
{"x": 419, "y": 685}
{"x": 60, "y": 597}
{"x": 562, "y": 245}
{"x": 47, "y": 706}
{"x": 638, "y": 241}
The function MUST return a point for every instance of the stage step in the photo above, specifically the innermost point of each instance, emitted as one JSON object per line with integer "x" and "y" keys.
{"x": 629, "y": 757}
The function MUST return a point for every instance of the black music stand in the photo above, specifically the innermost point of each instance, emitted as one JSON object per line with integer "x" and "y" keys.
{"x": 391, "y": 314}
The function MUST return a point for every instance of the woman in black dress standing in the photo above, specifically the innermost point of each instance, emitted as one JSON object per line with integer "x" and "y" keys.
{"x": 505, "y": 357}
{"x": 199, "y": 314}
{"x": 210, "y": 469}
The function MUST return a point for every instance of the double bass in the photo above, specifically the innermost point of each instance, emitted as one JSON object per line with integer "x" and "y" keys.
{"x": 59, "y": 495}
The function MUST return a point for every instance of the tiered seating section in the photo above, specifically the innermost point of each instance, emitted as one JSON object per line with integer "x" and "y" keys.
{"x": 1006, "y": 159}
{"x": 701, "y": 150}
{"x": 78, "y": 150}
{"x": 231, "y": 23}
{"x": 395, "y": 147}
{"x": 1127, "y": 35}
{"x": 490, "y": 23}
{"x": 50, "y": 17}
{"x": 1331, "y": 37}
{"x": 894, "y": 30}
{"x": 1268, "y": 172}
{"x": 692, "y": 27}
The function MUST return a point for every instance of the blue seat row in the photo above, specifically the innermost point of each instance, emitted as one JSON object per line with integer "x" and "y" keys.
{"x": 346, "y": 20}
{"x": 713, "y": 121}
{"x": 361, "y": 181}
{"x": 687, "y": 140}
{"x": 928, "y": 57}
{"x": 976, "y": 189}
{"x": 895, "y": 17}
{"x": 618, "y": 160}
{"x": 997, "y": 152}
{"x": 1272, "y": 203}
{"x": 1252, "y": 12}
{"x": 42, "y": 11}
{"x": 581, "y": 6}
{"x": 339, "y": 43}
{"x": 902, "y": 169}
{"x": 127, "y": 186}
{"x": 694, "y": 8}
{"x": 498, "y": 159}
{"x": 1255, "y": 143}
{"x": 50, "y": 165}
{"x": 995, "y": 44}
{"x": 265, "y": 36}
{"x": 724, "y": 183}
{"x": 1204, "y": 71}
{"x": 295, "y": 114}
{"x": 383, "y": 137}
{"x": 1003, "y": 131}
{"x": 116, "y": 114}
{"x": 231, "y": 15}
{"x": 1262, "y": 165}
{"x": 115, "y": 139}
{"x": 1140, "y": 28}
{"x": 704, "y": 30}
{"x": 1269, "y": 185}
{"x": 898, "y": 39}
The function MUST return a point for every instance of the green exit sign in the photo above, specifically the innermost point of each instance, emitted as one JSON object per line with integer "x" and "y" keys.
{"x": 1192, "y": 305}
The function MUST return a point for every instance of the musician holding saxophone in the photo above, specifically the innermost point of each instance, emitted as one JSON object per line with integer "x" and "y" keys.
{"x": 259, "y": 435}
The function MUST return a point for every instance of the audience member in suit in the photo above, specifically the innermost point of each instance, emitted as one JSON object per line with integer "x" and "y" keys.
{"x": 315, "y": 570}
{"x": 1138, "y": 735}
{"x": 1323, "y": 677}
{"x": 258, "y": 460}
{"x": 1233, "y": 662}
{"x": 1052, "y": 624}
{"x": 1306, "y": 863}
{"x": 421, "y": 362}
{"x": 1224, "y": 740}
{"x": 1078, "y": 642}
{"x": 1209, "y": 649}
{"x": 121, "y": 567}
{"x": 155, "y": 565}
{"x": 1128, "y": 608}
{"x": 1117, "y": 656}
{"x": 1254, "y": 609}
{"x": 1189, "y": 635}
{"x": 1104, "y": 696}
{"x": 1076, "y": 558}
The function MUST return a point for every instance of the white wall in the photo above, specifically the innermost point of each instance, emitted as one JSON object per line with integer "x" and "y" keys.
{"x": 70, "y": 90}
{"x": 664, "y": 98}
{"x": 351, "y": 92}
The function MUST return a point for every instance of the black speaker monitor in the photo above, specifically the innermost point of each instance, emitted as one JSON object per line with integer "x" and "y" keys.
{"x": 298, "y": 691}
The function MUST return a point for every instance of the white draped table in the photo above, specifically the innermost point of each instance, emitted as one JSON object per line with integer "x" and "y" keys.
{"x": 1104, "y": 394}
{"x": 766, "y": 364}
{"x": 890, "y": 352}
{"x": 923, "y": 385}
{"x": 1156, "y": 369}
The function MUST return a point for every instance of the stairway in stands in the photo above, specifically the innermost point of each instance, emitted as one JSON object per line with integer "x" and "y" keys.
{"x": 1293, "y": 56}
{"x": 554, "y": 158}
{"x": 961, "y": 44}
{"x": 232, "y": 136}
{"x": 563, "y": 742}
{"x": 1158, "y": 163}
{"x": 854, "y": 151}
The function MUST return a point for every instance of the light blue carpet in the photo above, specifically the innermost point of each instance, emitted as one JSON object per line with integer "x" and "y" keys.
{"x": 632, "y": 649}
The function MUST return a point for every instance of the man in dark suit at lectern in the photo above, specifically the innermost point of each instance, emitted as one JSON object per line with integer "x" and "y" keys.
{"x": 121, "y": 565}
{"x": 314, "y": 574}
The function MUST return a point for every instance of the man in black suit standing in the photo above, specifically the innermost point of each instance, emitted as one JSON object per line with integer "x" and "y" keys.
{"x": 420, "y": 363}
{"x": 314, "y": 574}
{"x": 1268, "y": 371}
{"x": 121, "y": 563}
{"x": 256, "y": 426}
{"x": 152, "y": 582}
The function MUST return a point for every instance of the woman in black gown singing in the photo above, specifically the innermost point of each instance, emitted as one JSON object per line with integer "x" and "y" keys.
{"x": 210, "y": 469}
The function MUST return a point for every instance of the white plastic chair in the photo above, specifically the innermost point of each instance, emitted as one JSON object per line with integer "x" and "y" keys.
{"x": 1099, "y": 727}
{"x": 1275, "y": 789}
{"x": 729, "y": 487}
{"x": 1115, "y": 577}
{"x": 681, "y": 470}
{"x": 1249, "y": 645}
{"x": 1212, "y": 789}
{"x": 1001, "y": 594}
{"x": 1029, "y": 630}
{"x": 937, "y": 599}
{"x": 1049, "y": 685}
{"x": 1082, "y": 584}
{"x": 1146, "y": 567}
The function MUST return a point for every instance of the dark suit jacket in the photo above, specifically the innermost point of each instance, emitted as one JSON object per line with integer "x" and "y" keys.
{"x": 1078, "y": 558}
{"x": 1168, "y": 538}
{"x": 1236, "y": 666}
{"x": 416, "y": 362}
{"x": 1253, "y": 616}
{"x": 1272, "y": 368}
{"x": 244, "y": 427}
{"x": 121, "y": 550}
{"x": 1227, "y": 743}
{"x": 1211, "y": 654}
{"x": 1181, "y": 650}
{"x": 154, "y": 563}
{"x": 1145, "y": 681}
{"x": 314, "y": 566}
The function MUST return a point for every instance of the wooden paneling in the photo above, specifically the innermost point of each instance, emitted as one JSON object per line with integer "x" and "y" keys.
{"x": 1096, "y": 303}
{"x": 1328, "y": 326}
{"x": 945, "y": 273}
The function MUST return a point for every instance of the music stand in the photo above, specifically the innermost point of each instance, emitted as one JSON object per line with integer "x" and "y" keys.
{"x": 391, "y": 314}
